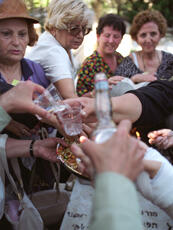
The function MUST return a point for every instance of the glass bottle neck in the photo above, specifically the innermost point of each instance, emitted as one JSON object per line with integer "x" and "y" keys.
{"x": 103, "y": 109}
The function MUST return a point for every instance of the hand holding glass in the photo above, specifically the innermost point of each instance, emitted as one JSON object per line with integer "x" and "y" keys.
{"x": 69, "y": 116}
{"x": 71, "y": 120}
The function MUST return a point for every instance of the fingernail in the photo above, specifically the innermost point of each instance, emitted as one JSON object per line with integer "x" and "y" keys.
{"x": 83, "y": 112}
{"x": 82, "y": 139}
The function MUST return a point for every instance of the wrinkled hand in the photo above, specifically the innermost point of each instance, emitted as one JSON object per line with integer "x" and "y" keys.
{"x": 121, "y": 154}
{"x": 88, "y": 108}
{"x": 18, "y": 129}
{"x": 162, "y": 138}
{"x": 19, "y": 99}
{"x": 46, "y": 148}
{"x": 115, "y": 79}
{"x": 143, "y": 77}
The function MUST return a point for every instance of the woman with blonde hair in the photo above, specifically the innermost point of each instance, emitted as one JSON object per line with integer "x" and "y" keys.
{"x": 67, "y": 22}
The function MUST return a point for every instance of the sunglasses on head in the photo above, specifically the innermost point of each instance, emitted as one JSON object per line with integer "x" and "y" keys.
{"x": 75, "y": 30}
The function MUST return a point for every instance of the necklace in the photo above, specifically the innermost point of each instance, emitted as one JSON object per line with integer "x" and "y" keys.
{"x": 144, "y": 65}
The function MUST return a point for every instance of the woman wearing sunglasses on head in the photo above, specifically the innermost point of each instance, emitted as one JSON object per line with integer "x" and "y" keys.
{"x": 67, "y": 22}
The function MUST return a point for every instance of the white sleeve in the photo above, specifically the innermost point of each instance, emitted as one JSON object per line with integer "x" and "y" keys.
{"x": 159, "y": 189}
{"x": 52, "y": 57}
{"x": 57, "y": 65}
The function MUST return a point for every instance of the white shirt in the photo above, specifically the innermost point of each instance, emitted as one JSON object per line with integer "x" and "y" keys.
{"x": 53, "y": 58}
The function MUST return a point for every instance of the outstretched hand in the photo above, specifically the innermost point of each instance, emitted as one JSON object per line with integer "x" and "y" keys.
{"x": 46, "y": 148}
{"x": 19, "y": 99}
{"x": 162, "y": 138}
{"x": 88, "y": 107}
{"x": 122, "y": 154}
{"x": 115, "y": 79}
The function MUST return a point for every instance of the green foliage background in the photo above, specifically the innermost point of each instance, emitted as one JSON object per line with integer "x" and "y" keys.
{"x": 126, "y": 8}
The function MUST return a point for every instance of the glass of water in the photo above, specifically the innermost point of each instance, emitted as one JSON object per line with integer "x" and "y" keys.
{"x": 45, "y": 100}
{"x": 49, "y": 99}
{"x": 71, "y": 120}
{"x": 54, "y": 92}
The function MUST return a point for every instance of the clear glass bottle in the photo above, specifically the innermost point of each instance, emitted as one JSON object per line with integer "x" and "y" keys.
{"x": 105, "y": 125}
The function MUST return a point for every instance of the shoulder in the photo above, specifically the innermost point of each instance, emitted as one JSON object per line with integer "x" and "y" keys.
{"x": 91, "y": 60}
{"x": 94, "y": 56}
{"x": 119, "y": 57}
{"x": 46, "y": 46}
{"x": 127, "y": 60}
{"x": 32, "y": 64}
{"x": 166, "y": 55}
{"x": 38, "y": 74}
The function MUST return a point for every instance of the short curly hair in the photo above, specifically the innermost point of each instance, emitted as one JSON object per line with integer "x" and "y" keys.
{"x": 111, "y": 20}
{"x": 148, "y": 16}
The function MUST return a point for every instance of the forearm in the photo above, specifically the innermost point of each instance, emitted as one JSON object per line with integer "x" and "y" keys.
{"x": 66, "y": 88}
{"x": 5, "y": 103}
{"x": 115, "y": 201}
{"x": 137, "y": 78}
{"x": 127, "y": 106}
{"x": 4, "y": 119}
{"x": 17, "y": 148}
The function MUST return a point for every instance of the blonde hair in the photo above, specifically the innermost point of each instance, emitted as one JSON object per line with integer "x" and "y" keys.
{"x": 148, "y": 16}
{"x": 61, "y": 13}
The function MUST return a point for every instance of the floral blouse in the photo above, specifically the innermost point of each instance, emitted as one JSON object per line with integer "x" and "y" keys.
{"x": 92, "y": 65}
{"x": 165, "y": 70}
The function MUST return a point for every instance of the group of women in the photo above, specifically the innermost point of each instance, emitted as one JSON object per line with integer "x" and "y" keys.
{"x": 51, "y": 59}
{"x": 146, "y": 65}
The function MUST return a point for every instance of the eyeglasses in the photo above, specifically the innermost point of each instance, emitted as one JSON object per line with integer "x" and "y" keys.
{"x": 75, "y": 30}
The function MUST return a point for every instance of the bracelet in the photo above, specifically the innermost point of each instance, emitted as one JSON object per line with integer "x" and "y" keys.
{"x": 31, "y": 148}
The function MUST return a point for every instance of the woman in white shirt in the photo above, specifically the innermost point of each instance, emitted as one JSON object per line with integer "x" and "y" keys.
{"x": 67, "y": 22}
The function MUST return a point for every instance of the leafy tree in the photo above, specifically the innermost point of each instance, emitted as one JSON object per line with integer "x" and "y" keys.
{"x": 126, "y": 8}
{"x": 37, "y": 8}
{"x": 129, "y": 8}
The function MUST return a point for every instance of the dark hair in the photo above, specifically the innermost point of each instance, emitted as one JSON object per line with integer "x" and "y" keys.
{"x": 33, "y": 36}
{"x": 111, "y": 20}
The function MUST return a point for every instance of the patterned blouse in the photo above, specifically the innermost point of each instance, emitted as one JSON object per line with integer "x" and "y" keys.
{"x": 92, "y": 65}
{"x": 165, "y": 70}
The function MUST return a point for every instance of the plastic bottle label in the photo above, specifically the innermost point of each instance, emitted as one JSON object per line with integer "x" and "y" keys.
{"x": 101, "y": 85}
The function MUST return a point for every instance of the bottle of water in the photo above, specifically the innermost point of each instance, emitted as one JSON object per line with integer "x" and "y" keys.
{"x": 105, "y": 125}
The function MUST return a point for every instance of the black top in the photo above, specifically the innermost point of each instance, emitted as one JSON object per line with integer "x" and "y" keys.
{"x": 157, "y": 110}
{"x": 157, "y": 102}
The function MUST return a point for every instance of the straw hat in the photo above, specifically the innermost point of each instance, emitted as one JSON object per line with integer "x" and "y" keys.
{"x": 14, "y": 9}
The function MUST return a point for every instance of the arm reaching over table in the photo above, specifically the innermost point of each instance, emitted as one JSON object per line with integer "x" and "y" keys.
{"x": 145, "y": 106}
{"x": 162, "y": 138}
{"x": 156, "y": 186}
{"x": 116, "y": 162}
{"x": 19, "y": 99}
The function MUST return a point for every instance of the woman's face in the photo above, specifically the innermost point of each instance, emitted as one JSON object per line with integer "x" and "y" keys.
{"x": 148, "y": 37}
{"x": 71, "y": 38}
{"x": 108, "y": 40}
{"x": 13, "y": 39}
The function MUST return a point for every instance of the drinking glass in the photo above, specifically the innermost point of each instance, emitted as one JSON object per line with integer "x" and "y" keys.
{"x": 54, "y": 92}
{"x": 71, "y": 120}
{"x": 49, "y": 99}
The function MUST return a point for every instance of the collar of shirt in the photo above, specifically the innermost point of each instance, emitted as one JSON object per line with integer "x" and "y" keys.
{"x": 26, "y": 71}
